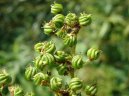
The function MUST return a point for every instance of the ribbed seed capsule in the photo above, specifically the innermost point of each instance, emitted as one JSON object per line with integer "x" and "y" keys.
{"x": 48, "y": 59}
{"x": 55, "y": 83}
{"x": 18, "y": 91}
{"x": 84, "y": 19}
{"x": 5, "y": 79}
{"x": 62, "y": 69}
{"x": 77, "y": 62}
{"x": 93, "y": 54}
{"x": 75, "y": 84}
{"x": 48, "y": 47}
{"x": 48, "y": 29}
{"x": 60, "y": 56}
{"x": 40, "y": 78}
{"x": 56, "y": 8}
{"x": 70, "y": 40}
{"x": 30, "y": 72}
{"x": 58, "y": 20}
{"x": 91, "y": 90}
{"x": 39, "y": 63}
{"x": 71, "y": 19}
{"x": 61, "y": 33}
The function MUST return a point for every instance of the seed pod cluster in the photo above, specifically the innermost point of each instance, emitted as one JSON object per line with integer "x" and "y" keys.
{"x": 18, "y": 91}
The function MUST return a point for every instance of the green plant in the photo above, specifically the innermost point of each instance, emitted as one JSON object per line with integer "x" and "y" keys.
{"x": 66, "y": 62}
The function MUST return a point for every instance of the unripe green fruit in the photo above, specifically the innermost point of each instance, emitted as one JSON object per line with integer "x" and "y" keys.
{"x": 93, "y": 54}
{"x": 58, "y": 20}
{"x": 75, "y": 84}
{"x": 70, "y": 40}
{"x": 18, "y": 91}
{"x": 56, "y": 8}
{"x": 39, "y": 78}
{"x": 48, "y": 59}
{"x": 39, "y": 63}
{"x": 61, "y": 33}
{"x": 77, "y": 62}
{"x": 71, "y": 19}
{"x": 91, "y": 90}
{"x": 62, "y": 69}
{"x": 84, "y": 19}
{"x": 48, "y": 29}
{"x": 5, "y": 79}
{"x": 55, "y": 83}
{"x": 30, "y": 72}
{"x": 48, "y": 47}
{"x": 60, "y": 55}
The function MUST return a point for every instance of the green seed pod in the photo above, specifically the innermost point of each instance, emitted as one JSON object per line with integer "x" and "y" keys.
{"x": 77, "y": 62}
{"x": 30, "y": 72}
{"x": 61, "y": 33}
{"x": 58, "y": 20}
{"x": 60, "y": 55}
{"x": 84, "y": 19}
{"x": 56, "y": 83}
{"x": 18, "y": 91}
{"x": 56, "y": 8}
{"x": 48, "y": 47}
{"x": 71, "y": 19}
{"x": 62, "y": 69}
{"x": 93, "y": 54}
{"x": 91, "y": 90}
{"x": 5, "y": 79}
{"x": 48, "y": 29}
{"x": 70, "y": 40}
{"x": 40, "y": 78}
{"x": 75, "y": 84}
{"x": 39, "y": 62}
{"x": 48, "y": 59}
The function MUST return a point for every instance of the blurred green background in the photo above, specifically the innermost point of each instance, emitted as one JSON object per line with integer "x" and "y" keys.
{"x": 20, "y": 29}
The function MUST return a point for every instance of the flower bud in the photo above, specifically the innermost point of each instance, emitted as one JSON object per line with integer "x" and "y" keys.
{"x": 93, "y": 54}
{"x": 91, "y": 90}
{"x": 56, "y": 8}
{"x": 5, "y": 79}
{"x": 58, "y": 20}
{"x": 48, "y": 29}
{"x": 55, "y": 83}
{"x": 77, "y": 62}
{"x": 48, "y": 47}
{"x": 62, "y": 69}
{"x": 30, "y": 72}
{"x": 84, "y": 19}
{"x": 70, "y": 40}
{"x": 71, "y": 19}
{"x": 75, "y": 84}
{"x": 18, "y": 91}
{"x": 40, "y": 78}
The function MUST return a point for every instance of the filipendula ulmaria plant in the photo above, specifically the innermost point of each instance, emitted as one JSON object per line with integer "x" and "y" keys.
{"x": 66, "y": 27}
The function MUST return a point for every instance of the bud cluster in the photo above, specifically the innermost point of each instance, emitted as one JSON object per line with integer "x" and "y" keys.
{"x": 66, "y": 28}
